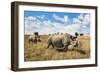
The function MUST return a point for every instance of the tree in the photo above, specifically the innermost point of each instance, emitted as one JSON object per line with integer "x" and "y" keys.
{"x": 81, "y": 34}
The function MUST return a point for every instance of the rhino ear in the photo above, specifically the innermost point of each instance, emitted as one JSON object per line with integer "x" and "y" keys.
{"x": 76, "y": 34}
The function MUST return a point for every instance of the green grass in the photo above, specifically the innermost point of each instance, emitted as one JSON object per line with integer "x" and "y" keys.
{"x": 38, "y": 52}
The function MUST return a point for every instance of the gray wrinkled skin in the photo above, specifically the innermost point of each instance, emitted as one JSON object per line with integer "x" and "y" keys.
{"x": 60, "y": 41}
{"x": 34, "y": 39}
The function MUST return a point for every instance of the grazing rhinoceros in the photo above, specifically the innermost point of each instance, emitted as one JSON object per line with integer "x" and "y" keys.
{"x": 61, "y": 41}
{"x": 34, "y": 39}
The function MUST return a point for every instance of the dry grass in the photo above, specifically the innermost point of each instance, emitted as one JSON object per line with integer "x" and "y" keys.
{"x": 38, "y": 52}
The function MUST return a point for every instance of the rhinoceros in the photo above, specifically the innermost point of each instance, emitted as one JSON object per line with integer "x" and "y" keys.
{"x": 61, "y": 41}
{"x": 34, "y": 39}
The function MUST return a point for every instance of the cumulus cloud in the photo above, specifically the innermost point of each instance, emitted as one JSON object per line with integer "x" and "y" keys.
{"x": 30, "y": 18}
{"x": 46, "y": 27}
{"x": 79, "y": 24}
{"x": 84, "y": 21}
{"x": 41, "y": 17}
{"x": 66, "y": 19}
{"x": 72, "y": 27}
{"x": 62, "y": 19}
{"x": 31, "y": 23}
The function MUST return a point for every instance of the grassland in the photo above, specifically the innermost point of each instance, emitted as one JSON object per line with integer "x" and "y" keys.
{"x": 38, "y": 52}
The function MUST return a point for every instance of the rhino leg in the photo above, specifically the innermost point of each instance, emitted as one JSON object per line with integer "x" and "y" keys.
{"x": 34, "y": 41}
{"x": 50, "y": 44}
{"x": 66, "y": 46}
{"x": 30, "y": 40}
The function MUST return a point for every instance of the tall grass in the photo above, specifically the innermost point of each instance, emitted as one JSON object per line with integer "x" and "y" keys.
{"x": 39, "y": 52}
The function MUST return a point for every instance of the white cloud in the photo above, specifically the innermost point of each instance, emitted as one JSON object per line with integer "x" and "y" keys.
{"x": 31, "y": 18}
{"x": 33, "y": 24}
{"x": 84, "y": 26}
{"x": 46, "y": 27}
{"x": 66, "y": 19}
{"x": 62, "y": 19}
{"x": 72, "y": 27}
{"x": 41, "y": 17}
{"x": 84, "y": 21}
{"x": 57, "y": 18}
{"x": 76, "y": 20}
{"x": 81, "y": 17}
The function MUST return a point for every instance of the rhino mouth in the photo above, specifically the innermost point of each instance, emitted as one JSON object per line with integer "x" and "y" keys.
{"x": 75, "y": 44}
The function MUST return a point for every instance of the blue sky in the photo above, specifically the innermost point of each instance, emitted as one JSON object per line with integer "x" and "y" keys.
{"x": 51, "y": 22}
